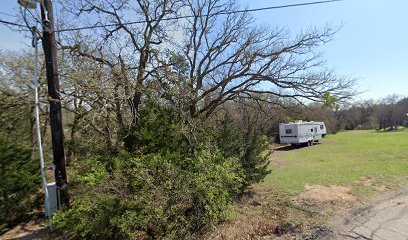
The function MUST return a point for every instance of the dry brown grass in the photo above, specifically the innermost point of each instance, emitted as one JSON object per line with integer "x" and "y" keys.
{"x": 324, "y": 194}
{"x": 261, "y": 214}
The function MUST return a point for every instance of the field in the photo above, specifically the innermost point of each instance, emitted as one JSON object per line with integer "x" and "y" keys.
{"x": 345, "y": 158}
{"x": 308, "y": 185}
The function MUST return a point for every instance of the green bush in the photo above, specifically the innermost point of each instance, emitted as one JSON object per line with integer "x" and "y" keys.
{"x": 254, "y": 161}
{"x": 228, "y": 138}
{"x": 250, "y": 146}
{"x": 158, "y": 130}
{"x": 152, "y": 195}
{"x": 176, "y": 178}
{"x": 20, "y": 181}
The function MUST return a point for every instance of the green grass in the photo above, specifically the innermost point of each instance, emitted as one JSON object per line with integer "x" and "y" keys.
{"x": 344, "y": 159}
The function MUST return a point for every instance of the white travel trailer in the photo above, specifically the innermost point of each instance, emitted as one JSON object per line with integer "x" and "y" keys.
{"x": 297, "y": 133}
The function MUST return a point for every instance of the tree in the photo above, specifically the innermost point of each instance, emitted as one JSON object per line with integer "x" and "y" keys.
{"x": 126, "y": 49}
{"x": 387, "y": 112}
{"x": 228, "y": 57}
{"x": 20, "y": 181}
{"x": 16, "y": 98}
{"x": 224, "y": 55}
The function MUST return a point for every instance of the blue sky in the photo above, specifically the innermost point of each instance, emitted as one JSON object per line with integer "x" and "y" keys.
{"x": 371, "y": 46}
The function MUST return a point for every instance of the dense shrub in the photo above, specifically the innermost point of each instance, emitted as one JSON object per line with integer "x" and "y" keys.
{"x": 176, "y": 178}
{"x": 251, "y": 146}
{"x": 158, "y": 130}
{"x": 228, "y": 138}
{"x": 20, "y": 180}
{"x": 254, "y": 160}
{"x": 152, "y": 195}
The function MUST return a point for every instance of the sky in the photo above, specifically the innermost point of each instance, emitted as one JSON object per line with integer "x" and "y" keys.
{"x": 371, "y": 46}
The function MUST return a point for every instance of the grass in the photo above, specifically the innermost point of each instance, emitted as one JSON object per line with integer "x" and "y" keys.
{"x": 344, "y": 159}
{"x": 351, "y": 158}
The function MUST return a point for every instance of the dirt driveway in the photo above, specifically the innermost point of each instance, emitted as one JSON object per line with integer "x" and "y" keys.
{"x": 384, "y": 219}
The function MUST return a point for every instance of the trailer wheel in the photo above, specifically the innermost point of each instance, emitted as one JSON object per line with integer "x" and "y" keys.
{"x": 311, "y": 142}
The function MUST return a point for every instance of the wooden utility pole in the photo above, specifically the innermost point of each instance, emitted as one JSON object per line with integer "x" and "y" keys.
{"x": 57, "y": 135}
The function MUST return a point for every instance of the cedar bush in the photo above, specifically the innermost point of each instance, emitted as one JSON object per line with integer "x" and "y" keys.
{"x": 254, "y": 160}
{"x": 152, "y": 195}
{"x": 20, "y": 181}
{"x": 167, "y": 183}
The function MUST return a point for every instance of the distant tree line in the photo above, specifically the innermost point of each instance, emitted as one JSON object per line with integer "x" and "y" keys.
{"x": 387, "y": 113}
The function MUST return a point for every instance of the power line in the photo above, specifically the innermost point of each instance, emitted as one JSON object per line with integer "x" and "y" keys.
{"x": 32, "y": 15}
{"x": 20, "y": 25}
{"x": 283, "y": 6}
{"x": 11, "y": 23}
{"x": 188, "y": 16}
{"x": 206, "y": 15}
{"x": 35, "y": 18}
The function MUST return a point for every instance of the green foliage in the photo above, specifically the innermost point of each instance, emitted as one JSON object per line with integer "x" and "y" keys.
{"x": 172, "y": 182}
{"x": 251, "y": 147}
{"x": 255, "y": 158}
{"x": 158, "y": 130}
{"x": 20, "y": 181}
{"x": 229, "y": 138}
{"x": 92, "y": 172}
{"x": 155, "y": 195}
{"x": 330, "y": 101}
{"x": 15, "y": 121}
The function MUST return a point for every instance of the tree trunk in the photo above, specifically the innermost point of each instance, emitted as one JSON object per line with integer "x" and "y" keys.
{"x": 72, "y": 141}
{"x": 137, "y": 96}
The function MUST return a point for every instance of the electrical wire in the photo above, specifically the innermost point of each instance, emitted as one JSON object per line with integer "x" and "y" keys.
{"x": 24, "y": 11}
{"x": 11, "y": 23}
{"x": 33, "y": 15}
{"x": 204, "y": 15}
{"x": 35, "y": 18}
{"x": 187, "y": 16}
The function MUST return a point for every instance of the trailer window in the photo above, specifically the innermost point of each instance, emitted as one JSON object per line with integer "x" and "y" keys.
{"x": 288, "y": 131}
{"x": 311, "y": 130}
{"x": 321, "y": 126}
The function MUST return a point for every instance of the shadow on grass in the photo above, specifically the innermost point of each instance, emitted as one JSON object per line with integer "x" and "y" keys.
{"x": 36, "y": 229}
{"x": 37, "y": 234}
{"x": 286, "y": 148}
{"x": 389, "y": 131}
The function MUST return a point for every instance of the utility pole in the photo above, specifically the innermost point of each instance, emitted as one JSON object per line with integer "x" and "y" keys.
{"x": 57, "y": 135}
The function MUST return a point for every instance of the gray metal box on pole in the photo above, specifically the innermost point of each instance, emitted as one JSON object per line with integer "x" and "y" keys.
{"x": 52, "y": 200}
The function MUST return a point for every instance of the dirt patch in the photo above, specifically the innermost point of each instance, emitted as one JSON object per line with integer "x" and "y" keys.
{"x": 264, "y": 214}
{"x": 367, "y": 181}
{"x": 33, "y": 230}
{"x": 324, "y": 194}
{"x": 372, "y": 183}
{"x": 277, "y": 161}
{"x": 286, "y": 228}
{"x": 316, "y": 232}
